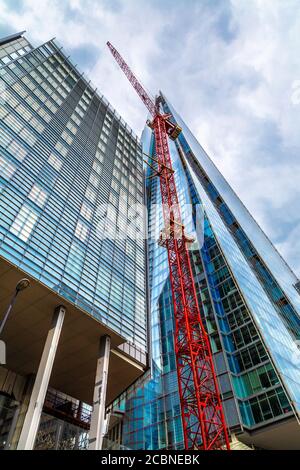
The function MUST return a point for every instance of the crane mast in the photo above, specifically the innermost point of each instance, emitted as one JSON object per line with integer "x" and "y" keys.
{"x": 202, "y": 415}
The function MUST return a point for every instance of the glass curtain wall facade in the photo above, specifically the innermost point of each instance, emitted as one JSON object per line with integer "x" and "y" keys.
{"x": 248, "y": 302}
{"x": 70, "y": 169}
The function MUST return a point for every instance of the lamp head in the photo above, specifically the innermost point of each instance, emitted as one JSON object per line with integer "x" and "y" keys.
{"x": 22, "y": 285}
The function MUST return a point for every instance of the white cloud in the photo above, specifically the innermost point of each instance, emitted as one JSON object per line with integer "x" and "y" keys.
{"x": 290, "y": 247}
{"x": 227, "y": 66}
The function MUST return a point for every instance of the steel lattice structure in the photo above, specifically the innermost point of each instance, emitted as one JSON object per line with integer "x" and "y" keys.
{"x": 201, "y": 408}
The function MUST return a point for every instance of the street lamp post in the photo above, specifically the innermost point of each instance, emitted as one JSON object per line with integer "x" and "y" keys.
{"x": 21, "y": 285}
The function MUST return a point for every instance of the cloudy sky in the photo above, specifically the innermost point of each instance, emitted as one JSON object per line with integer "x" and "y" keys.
{"x": 230, "y": 67}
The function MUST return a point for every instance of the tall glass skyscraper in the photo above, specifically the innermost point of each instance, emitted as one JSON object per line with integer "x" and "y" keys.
{"x": 249, "y": 300}
{"x": 70, "y": 169}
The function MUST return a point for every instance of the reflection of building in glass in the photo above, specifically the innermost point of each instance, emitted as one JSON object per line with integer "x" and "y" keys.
{"x": 249, "y": 304}
{"x": 65, "y": 154}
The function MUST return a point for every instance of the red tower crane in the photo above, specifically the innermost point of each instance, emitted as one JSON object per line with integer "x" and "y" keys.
{"x": 201, "y": 408}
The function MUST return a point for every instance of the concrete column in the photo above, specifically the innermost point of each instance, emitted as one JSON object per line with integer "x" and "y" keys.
{"x": 97, "y": 430}
{"x": 24, "y": 403}
{"x": 37, "y": 398}
{"x": 59, "y": 433}
{"x": 12, "y": 429}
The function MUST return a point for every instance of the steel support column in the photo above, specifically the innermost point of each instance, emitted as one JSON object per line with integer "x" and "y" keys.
{"x": 97, "y": 430}
{"x": 33, "y": 415}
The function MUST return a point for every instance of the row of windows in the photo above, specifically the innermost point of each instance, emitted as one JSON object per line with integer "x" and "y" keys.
{"x": 255, "y": 381}
{"x": 237, "y": 317}
{"x": 42, "y": 197}
{"x": 13, "y": 50}
{"x": 7, "y": 168}
{"x": 18, "y": 128}
{"x": 34, "y": 80}
{"x": 245, "y": 335}
{"x": 249, "y": 357}
{"x": 24, "y": 223}
{"x": 232, "y": 301}
{"x": 128, "y": 313}
{"x": 39, "y": 196}
{"x": 267, "y": 406}
{"x": 50, "y": 101}
{"x": 56, "y": 163}
{"x": 10, "y": 144}
{"x": 47, "y": 228}
{"x": 23, "y": 112}
{"x": 33, "y": 101}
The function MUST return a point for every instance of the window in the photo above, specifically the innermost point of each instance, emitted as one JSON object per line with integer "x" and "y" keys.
{"x": 61, "y": 149}
{"x": 97, "y": 167}
{"x": 17, "y": 150}
{"x": 7, "y": 169}
{"x": 38, "y": 195}
{"x": 55, "y": 162}
{"x": 297, "y": 286}
{"x": 90, "y": 194}
{"x": 81, "y": 231}
{"x": 99, "y": 156}
{"x": 67, "y": 138}
{"x": 86, "y": 211}
{"x": 94, "y": 180}
{"x": 116, "y": 173}
{"x": 113, "y": 199}
{"x": 72, "y": 128}
{"x": 105, "y": 130}
{"x": 76, "y": 119}
{"x": 24, "y": 223}
{"x": 75, "y": 261}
